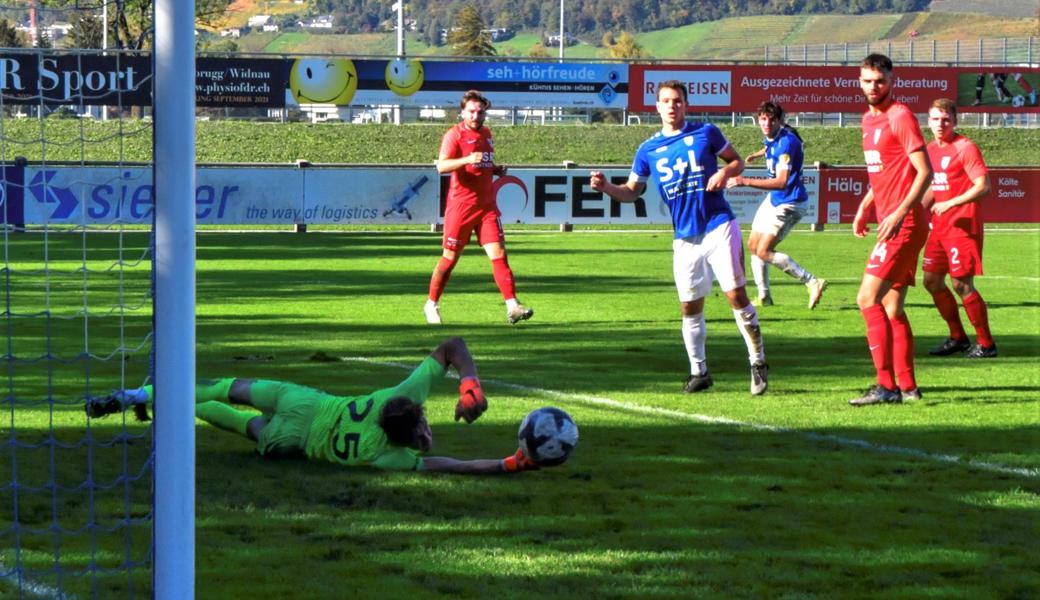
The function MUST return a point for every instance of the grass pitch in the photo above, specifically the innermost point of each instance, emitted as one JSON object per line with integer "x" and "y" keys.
{"x": 716, "y": 495}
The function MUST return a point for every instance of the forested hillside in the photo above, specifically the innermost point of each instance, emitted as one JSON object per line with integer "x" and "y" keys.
{"x": 593, "y": 16}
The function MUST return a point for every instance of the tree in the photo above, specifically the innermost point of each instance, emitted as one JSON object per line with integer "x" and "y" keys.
{"x": 132, "y": 25}
{"x": 216, "y": 45}
{"x": 467, "y": 36}
{"x": 626, "y": 46}
{"x": 43, "y": 38}
{"x": 87, "y": 31}
{"x": 538, "y": 51}
{"x": 9, "y": 36}
{"x": 432, "y": 33}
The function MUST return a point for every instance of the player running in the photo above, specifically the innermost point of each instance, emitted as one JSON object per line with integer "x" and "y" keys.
{"x": 386, "y": 429}
{"x": 955, "y": 243}
{"x": 683, "y": 161}
{"x": 1000, "y": 87}
{"x": 782, "y": 208}
{"x": 468, "y": 154}
{"x": 899, "y": 173}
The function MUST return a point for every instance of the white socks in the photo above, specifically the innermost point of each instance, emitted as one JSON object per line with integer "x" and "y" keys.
{"x": 747, "y": 323}
{"x": 694, "y": 334}
{"x": 786, "y": 264}
{"x": 760, "y": 271}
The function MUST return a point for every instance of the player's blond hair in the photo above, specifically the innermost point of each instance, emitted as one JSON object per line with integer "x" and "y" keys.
{"x": 946, "y": 105}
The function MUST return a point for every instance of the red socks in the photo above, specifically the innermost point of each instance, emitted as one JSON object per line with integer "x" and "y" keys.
{"x": 441, "y": 274}
{"x": 499, "y": 268}
{"x": 879, "y": 340}
{"x": 947, "y": 305}
{"x": 903, "y": 352}
{"x": 504, "y": 278}
{"x": 975, "y": 306}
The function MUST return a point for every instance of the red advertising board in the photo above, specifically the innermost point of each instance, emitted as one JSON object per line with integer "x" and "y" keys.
{"x": 738, "y": 88}
{"x": 1012, "y": 197}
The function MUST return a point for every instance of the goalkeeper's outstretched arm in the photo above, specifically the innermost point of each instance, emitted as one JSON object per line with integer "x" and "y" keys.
{"x": 514, "y": 463}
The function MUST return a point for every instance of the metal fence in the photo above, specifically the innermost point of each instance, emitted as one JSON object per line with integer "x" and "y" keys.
{"x": 1024, "y": 52}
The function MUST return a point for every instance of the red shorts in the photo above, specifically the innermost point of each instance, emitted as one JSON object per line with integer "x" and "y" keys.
{"x": 460, "y": 220}
{"x": 895, "y": 260}
{"x": 958, "y": 256}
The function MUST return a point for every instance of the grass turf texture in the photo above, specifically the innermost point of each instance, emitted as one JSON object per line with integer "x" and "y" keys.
{"x": 652, "y": 504}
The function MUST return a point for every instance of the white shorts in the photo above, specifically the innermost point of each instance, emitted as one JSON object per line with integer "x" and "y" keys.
{"x": 697, "y": 260}
{"x": 777, "y": 221}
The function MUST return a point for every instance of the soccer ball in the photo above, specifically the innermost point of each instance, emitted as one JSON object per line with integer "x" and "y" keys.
{"x": 1018, "y": 100}
{"x": 548, "y": 436}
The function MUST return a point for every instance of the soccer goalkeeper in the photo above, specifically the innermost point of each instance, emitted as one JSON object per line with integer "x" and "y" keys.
{"x": 386, "y": 429}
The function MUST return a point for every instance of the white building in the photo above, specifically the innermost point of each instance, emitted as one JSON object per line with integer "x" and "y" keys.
{"x": 260, "y": 20}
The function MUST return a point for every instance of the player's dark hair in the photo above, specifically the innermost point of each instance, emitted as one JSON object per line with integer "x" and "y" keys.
{"x": 771, "y": 109}
{"x": 401, "y": 420}
{"x": 672, "y": 84}
{"x": 878, "y": 62}
{"x": 774, "y": 110}
{"x": 474, "y": 95}
{"x": 946, "y": 105}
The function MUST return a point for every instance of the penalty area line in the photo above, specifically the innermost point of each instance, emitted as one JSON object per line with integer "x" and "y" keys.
{"x": 38, "y": 590}
{"x": 712, "y": 420}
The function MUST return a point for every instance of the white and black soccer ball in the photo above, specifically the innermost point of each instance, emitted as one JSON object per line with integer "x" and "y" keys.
{"x": 548, "y": 436}
{"x": 1018, "y": 100}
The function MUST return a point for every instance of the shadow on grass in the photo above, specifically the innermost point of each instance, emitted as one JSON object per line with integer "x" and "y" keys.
{"x": 643, "y": 509}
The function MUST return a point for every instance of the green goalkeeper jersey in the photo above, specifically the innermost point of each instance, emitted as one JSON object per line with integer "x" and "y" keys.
{"x": 346, "y": 429}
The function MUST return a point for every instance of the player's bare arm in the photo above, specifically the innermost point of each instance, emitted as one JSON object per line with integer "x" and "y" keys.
{"x": 446, "y": 164}
{"x": 979, "y": 188}
{"x": 754, "y": 155}
{"x": 444, "y": 464}
{"x": 734, "y": 166}
{"x": 859, "y": 223}
{"x": 890, "y": 224}
{"x": 762, "y": 183}
{"x": 928, "y": 199}
{"x": 627, "y": 192}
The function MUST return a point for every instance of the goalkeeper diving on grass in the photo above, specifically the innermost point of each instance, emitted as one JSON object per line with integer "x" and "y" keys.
{"x": 386, "y": 429}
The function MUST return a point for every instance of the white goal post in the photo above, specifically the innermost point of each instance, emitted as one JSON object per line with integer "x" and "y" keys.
{"x": 174, "y": 310}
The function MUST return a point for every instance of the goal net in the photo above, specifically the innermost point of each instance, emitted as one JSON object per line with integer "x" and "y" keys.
{"x": 79, "y": 499}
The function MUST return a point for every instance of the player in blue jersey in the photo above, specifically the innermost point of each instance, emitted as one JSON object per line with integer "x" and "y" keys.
{"x": 783, "y": 207}
{"x": 682, "y": 159}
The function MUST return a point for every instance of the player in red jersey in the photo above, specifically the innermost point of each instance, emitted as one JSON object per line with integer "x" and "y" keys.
{"x": 468, "y": 154}
{"x": 955, "y": 244}
{"x": 897, "y": 165}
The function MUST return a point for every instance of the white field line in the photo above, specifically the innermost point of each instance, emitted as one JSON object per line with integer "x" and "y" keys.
{"x": 38, "y": 590}
{"x": 1032, "y": 473}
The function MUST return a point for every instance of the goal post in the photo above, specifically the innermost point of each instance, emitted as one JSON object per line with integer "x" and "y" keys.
{"x": 174, "y": 311}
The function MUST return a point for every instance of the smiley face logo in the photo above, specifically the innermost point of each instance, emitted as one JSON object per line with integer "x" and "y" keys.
{"x": 323, "y": 81}
{"x": 404, "y": 76}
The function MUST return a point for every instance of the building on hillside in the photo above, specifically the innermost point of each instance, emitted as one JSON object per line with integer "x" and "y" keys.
{"x": 499, "y": 34}
{"x": 319, "y": 22}
{"x": 231, "y": 32}
{"x": 58, "y": 30}
{"x": 260, "y": 20}
{"x": 270, "y": 28}
{"x": 554, "y": 39}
